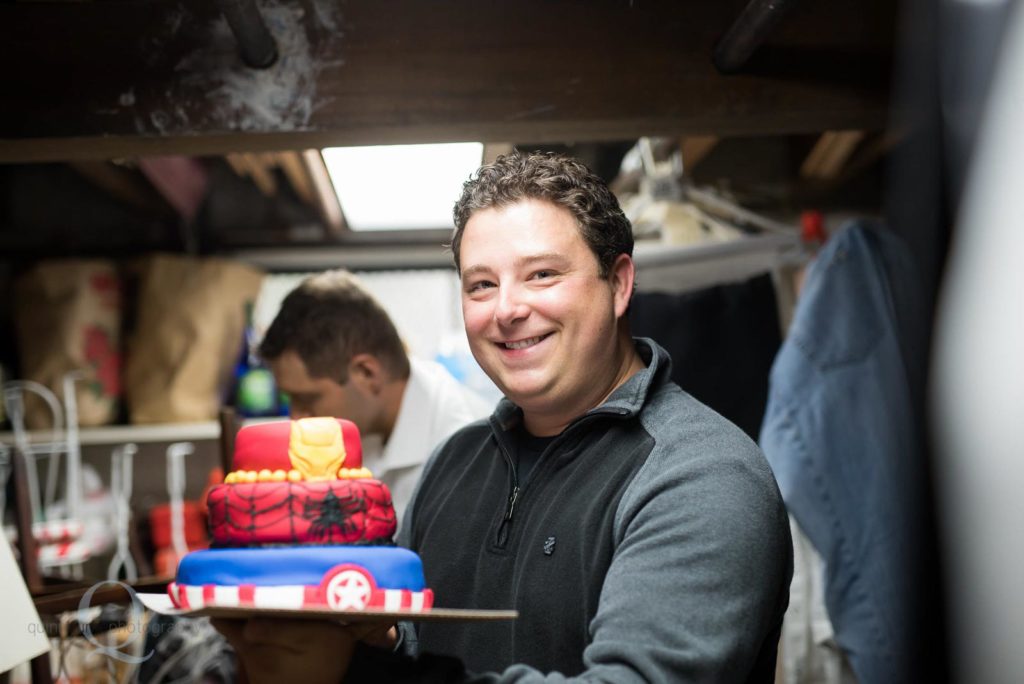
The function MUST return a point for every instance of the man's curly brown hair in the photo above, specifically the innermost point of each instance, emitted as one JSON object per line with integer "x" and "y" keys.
{"x": 555, "y": 178}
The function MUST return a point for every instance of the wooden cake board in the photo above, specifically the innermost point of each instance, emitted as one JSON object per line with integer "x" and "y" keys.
{"x": 161, "y": 603}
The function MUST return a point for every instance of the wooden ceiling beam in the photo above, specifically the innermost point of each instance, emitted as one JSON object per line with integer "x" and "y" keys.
{"x": 694, "y": 149}
{"x": 254, "y": 167}
{"x": 326, "y": 198}
{"x": 261, "y": 166}
{"x": 871, "y": 152}
{"x": 830, "y": 154}
{"x": 164, "y": 76}
{"x": 751, "y": 28}
{"x": 298, "y": 175}
{"x": 123, "y": 184}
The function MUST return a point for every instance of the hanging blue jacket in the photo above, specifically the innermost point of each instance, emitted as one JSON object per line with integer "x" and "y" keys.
{"x": 841, "y": 433}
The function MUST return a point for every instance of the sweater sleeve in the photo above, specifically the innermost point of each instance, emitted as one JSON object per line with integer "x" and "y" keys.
{"x": 699, "y": 581}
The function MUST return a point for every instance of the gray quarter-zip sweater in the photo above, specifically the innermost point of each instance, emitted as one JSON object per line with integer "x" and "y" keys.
{"x": 650, "y": 544}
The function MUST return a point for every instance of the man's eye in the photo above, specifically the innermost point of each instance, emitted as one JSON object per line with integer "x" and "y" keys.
{"x": 479, "y": 285}
{"x": 543, "y": 274}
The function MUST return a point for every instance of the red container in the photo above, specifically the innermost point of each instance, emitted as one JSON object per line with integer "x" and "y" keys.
{"x": 165, "y": 563}
{"x": 195, "y": 524}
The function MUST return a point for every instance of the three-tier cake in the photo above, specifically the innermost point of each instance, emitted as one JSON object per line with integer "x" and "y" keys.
{"x": 299, "y": 523}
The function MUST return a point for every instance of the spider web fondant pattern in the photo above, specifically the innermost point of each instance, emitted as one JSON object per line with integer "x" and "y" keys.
{"x": 326, "y": 512}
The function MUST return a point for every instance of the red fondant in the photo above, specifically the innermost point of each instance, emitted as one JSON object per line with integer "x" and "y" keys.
{"x": 351, "y": 592}
{"x": 195, "y": 525}
{"x": 353, "y": 444}
{"x": 246, "y": 594}
{"x": 265, "y": 446}
{"x": 327, "y": 512}
{"x": 349, "y": 587}
{"x": 182, "y": 597}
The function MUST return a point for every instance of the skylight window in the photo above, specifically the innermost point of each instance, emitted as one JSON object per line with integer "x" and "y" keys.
{"x": 400, "y": 187}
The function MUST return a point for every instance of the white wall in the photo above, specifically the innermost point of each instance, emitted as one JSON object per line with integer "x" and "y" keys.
{"x": 424, "y": 305}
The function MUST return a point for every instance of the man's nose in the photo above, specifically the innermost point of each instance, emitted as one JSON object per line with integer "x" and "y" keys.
{"x": 512, "y": 306}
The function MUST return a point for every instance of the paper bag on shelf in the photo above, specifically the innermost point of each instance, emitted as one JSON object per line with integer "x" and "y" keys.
{"x": 190, "y": 315}
{"x": 67, "y": 317}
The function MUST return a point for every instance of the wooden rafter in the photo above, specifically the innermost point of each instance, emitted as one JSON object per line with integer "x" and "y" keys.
{"x": 121, "y": 183}
{"x": 694, "y": 149}
{"x": 871, "y": 151}
{"x": 326, "y": 199}
{"x": 258, "y": 168}
{"x": 830, "y": 154}
{"x": 297, "y": 173}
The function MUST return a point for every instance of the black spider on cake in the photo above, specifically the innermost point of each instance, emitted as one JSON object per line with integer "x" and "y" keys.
{"x": 332, "y": 513}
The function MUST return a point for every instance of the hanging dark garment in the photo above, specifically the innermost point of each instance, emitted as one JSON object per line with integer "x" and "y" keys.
{"x": 722, "y": 340}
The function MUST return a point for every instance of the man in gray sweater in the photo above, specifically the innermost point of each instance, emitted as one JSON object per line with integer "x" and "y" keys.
{"x": 640, "y": 535}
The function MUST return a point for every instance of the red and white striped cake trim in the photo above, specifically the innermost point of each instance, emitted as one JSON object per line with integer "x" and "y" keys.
{"x": 291, "y": 597}
{"x": 344, "y": 587}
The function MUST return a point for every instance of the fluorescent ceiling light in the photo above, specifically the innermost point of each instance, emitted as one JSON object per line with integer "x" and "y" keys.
{"x": 398, "y": 187}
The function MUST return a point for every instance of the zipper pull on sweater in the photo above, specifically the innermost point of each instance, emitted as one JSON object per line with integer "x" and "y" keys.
{"x": 507, "y": 520}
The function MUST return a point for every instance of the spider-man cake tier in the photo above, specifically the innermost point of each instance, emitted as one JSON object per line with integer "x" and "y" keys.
{"x": 301, "y": 483}
{"x": 338, "y": 512}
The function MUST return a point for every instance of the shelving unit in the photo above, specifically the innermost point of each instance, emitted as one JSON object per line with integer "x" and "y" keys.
{"x": 140, "y": 434}
{"x": 119, "y": 434}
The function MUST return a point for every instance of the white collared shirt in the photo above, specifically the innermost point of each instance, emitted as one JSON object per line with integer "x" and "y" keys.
{"x": 434, "y": 405}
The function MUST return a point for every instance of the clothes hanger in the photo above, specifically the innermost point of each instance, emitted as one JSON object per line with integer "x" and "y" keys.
{"x": 121, "y": 487}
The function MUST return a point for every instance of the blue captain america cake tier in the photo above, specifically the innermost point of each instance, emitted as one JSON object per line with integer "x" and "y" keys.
{"x": 335, "y": 577}
{"x": 301, "y": 524}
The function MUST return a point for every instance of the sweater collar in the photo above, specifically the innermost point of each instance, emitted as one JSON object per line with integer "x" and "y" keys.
{"x": 626, "y": 400}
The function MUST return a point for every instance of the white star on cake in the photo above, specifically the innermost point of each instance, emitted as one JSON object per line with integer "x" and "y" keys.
{"x": 348, "y": 590}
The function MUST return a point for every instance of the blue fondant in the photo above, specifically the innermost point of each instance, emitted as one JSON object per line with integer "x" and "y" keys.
{"x": 392, "y": 567}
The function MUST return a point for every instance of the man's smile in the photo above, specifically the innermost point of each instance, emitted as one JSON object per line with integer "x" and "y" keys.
{"x": 525, "y": 343}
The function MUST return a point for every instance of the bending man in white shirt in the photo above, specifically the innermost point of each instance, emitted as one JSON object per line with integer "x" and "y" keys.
{"x": 335, "y": 352}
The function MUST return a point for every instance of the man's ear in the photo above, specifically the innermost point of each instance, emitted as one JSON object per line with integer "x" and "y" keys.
{"x": 621, "y": 276}
{"x": 367, "y": 372}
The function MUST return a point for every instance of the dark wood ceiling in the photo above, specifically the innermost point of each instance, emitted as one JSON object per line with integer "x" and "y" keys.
{"x": 100, "y": 80}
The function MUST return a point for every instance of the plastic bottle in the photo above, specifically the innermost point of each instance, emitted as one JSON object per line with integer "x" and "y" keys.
{"x": 256, "y": 392}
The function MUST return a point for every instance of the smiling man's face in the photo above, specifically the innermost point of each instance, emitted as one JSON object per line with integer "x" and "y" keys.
{"x": 541, "y": 321}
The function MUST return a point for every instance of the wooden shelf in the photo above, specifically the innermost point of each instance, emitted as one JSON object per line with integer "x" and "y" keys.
{"x": 120, "y": 434}
{"x": 140, "y": 434}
